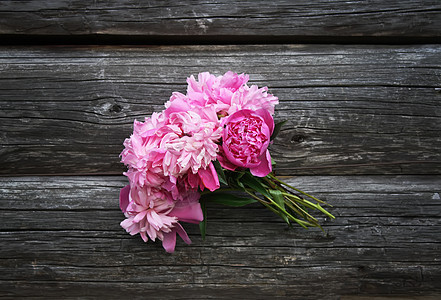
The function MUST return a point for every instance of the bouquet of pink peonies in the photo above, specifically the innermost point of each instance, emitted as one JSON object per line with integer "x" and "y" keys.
{"x": 203, "y": 146}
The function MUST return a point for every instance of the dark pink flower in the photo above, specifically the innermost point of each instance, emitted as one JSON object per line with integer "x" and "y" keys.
{"x": 245, "y": 141}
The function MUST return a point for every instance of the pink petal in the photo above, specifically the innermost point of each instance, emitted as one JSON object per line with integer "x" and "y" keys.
{"x": 233, "y": 80}
{"x": 267, "y": 118}
{"x": 190, "y": 213}
{"x": 264, "y": 168}
{"x": 178, "y": 103}
{"x": 124, "y": 198}
{"x": 233, "y": 160}
{"x": 169, "y": 241}
{"x": 151, "y": 232}
{"x": 126, "y": 223}
{"x": 182, "y": 233}
{"x": 239, "y": 115}
{"x": 144, "y": 237}
{"x": 224, "y": 162}
{"x": 133, "y": 229}
{"x": 193, "y": 180}
{"x": 139, "y": 216}
{"x": 209, "y": 177}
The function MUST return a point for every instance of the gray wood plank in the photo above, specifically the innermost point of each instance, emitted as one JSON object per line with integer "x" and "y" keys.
{"x": 225, "y": 18}
{"x": 60, "y": 237}
{"x": 350, "y": 109}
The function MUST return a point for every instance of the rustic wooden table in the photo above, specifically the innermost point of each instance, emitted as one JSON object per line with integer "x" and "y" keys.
{"x": 359, "y": 83}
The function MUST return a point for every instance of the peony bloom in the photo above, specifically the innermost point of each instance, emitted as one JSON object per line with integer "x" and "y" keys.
{"x": 150, "y": 213}
{"x": 245, "y": 141}
{"x": 142, "y": 154}
{"x": 170, "y": 145}
{"x": 191, "y": 145}
{"x": 252, "y": 98}
{"x": 225, "y": 94}
{"x": 216, "y": 91}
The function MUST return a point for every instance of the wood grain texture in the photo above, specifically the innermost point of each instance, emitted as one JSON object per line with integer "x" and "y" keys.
{"x": 350, "y": 109}
{"x": 405, "y": 18}
{"x": 61, "y": 238}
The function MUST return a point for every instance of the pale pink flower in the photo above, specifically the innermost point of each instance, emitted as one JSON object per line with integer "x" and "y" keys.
{"x": 214, "y": 90}
{"x": 169, "y": 145}
{"x": 191, "y": 145}
{"x": 181, "y": 103}
{"x": 150, "y": 213}
{"x": 225, "y": 94}
{"x": 245, "y": 141}
{"x": 252, "y": 98}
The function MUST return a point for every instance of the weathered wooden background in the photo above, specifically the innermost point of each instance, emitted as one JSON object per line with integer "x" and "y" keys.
{"x": 360, "y": 85}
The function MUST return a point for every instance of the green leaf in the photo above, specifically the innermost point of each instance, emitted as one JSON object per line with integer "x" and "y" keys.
{"x": 277, "y": 128}
{"x": 255, "y": 184}
{"x": 277, "y": 196}
{"x": 203, "y": 224}
{"x": 228, "y": 199}
{"x": 220, "y": 172}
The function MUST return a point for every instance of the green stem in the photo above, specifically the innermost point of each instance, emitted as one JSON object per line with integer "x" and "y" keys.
{"x": 325, "y": 211}
{"x": 309, "y": 204}
{"x": 295, "y": 207}
{"x": 283, "y": 210}
{"x": 272, "y": 184}
{"x": 257, "y": 198}
{"x": 280, "y": 214}
{"x": 295, "y": 189}
{"x": 301, "y": 201}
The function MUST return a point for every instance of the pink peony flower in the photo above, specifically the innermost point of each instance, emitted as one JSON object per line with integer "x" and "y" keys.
{"x": 252, "y": 98}
{"x": 142, "y": 154}
{"x": 169, "y": 145}
{"x": 225, "y": 94}
{"x": 216, "y": 91}
{"x": 191, "y": 146}
{"x": 245, "y": 141}
{"x": 150, "y": 213}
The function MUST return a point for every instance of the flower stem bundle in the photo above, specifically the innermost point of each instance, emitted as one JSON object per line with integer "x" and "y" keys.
{"x": 290, "y": 203}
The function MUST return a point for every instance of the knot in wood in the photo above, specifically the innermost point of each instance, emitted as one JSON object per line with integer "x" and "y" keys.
{"x": 297, "y": 138}
{"x": 115, "y": 108}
